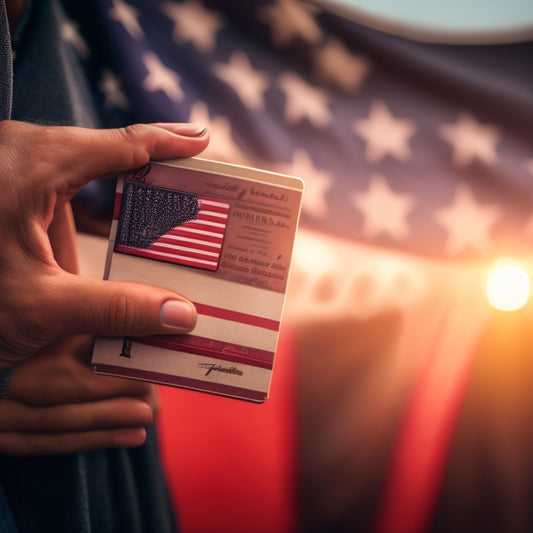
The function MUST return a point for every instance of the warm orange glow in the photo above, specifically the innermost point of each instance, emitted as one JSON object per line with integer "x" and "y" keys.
{"x": 508, "y": 287}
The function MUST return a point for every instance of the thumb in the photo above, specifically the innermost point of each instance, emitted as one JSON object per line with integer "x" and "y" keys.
{"x": 112, "y": 308}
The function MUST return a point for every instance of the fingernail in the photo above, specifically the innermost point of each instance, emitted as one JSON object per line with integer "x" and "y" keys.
{"x": 190, "y": 130}
{"x": 178, "y": 314}
{"x": 129, "y": 438}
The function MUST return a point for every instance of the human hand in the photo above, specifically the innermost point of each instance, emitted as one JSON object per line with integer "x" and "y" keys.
{"x": 56, "y": 405}
{"x": 42, "y": 168}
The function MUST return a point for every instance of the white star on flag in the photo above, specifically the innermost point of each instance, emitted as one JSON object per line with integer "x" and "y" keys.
{"x": 110, "y": 87}
{"x": 334, "y": 63}
{"x": 304, "y": 101}
{"x": 467, "y": 222}
{"x": 161, "y": 78}
{"x": 248, "y": 83}
{"x": 127, "y": 15}
{"x": 194, "y": 23}
{"x": 70, "y": 34}
{"x": 289, "y": 19}
{"x": 470, "y": 140}
{"x": 384, "y": 210}
{"x": 384, "y": 134}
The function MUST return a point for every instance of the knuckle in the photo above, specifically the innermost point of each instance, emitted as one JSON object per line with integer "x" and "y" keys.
{"x": 133, "y": 136}
{"x": 120, "y": 316}
{"x": 134, "y": 131}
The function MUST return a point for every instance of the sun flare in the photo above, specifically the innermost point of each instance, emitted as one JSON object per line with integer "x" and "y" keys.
{"x": 508, "y": 287}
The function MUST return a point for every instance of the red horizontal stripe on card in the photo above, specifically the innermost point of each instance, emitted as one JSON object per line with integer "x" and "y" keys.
{"x": 211, "y": 348}
{"x": 236, "y": 316}
{"x": 188, "y": 383}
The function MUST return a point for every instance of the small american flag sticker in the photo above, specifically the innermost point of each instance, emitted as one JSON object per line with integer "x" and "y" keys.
{"x": 173, "y": 226}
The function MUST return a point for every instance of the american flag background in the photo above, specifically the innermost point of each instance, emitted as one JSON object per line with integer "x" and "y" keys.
{"x": 401, "y": 145}
{"x": 417, "y": 159}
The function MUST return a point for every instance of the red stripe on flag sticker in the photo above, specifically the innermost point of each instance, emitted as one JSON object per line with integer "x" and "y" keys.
{"x": 211, "y": 348}
{"x": 236, "y": 316}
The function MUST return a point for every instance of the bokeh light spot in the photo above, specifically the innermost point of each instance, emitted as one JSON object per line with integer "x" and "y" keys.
{"x": 508, "y": 288}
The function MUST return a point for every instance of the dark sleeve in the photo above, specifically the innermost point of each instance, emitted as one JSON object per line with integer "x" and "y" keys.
{"x": 6, "y": 65}
{"x": 7, "y": 523}
{"x": 5, "y": 378}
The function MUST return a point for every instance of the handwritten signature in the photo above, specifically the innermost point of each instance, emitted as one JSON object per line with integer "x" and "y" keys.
{"x": 215, "y": 367}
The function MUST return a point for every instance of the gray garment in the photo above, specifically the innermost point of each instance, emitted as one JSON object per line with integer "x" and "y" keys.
{"x": 6, "y": 81}
{"x": 6, "y": 70}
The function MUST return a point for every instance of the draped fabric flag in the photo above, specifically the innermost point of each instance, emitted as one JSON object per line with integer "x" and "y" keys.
{"x": 411, "y": 146}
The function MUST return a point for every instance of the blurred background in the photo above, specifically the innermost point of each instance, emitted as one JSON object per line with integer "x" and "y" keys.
{"x": 401, "y": 399}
